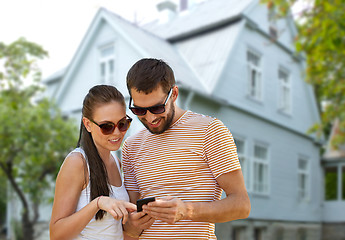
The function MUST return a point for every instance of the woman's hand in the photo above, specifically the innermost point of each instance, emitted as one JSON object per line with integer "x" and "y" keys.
{"x": 117, "y": 208}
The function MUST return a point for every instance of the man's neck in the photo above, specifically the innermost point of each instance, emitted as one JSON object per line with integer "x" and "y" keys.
{"x": 178, "y": 113}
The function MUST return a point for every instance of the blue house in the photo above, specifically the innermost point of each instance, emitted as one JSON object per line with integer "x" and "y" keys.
{"x": 234, "y": 61}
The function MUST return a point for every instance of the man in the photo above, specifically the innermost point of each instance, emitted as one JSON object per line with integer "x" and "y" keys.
{"x": 182, "y": 158}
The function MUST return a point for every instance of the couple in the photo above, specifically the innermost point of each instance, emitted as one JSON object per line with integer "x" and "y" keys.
{"x": 183, "y": 159}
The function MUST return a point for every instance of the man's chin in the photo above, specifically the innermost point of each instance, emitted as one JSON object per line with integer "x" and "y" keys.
{"x": 155, "y": 130}
{"x": 158, "y": 130}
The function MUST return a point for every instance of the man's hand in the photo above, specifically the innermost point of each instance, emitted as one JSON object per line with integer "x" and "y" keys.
{"x": 168, "y": 209}
{"x": 137, "y": 222}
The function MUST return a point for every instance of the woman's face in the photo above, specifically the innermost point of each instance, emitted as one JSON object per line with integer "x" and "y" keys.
{"x": 110, "y": 112}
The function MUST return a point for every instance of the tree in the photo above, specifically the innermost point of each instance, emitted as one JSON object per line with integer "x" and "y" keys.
{"x": 321, "y": 37}
{"x": 34, "y": 136}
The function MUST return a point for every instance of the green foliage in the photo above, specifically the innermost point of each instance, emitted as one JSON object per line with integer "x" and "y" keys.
{"x": 34, "y": 136}
{"x": 321, "y": 38}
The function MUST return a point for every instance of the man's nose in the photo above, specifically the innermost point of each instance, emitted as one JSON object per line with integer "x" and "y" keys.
{"x": 150, "y": 117}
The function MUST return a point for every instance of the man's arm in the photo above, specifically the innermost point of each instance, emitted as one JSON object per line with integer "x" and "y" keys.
{"x": 236, "y": 205}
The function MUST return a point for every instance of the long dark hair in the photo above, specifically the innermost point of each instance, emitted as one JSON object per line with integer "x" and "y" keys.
{"x": 99, "y": 183}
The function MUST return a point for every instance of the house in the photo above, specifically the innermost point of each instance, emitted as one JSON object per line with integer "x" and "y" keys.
{"x": 333, "y": 162}
{"x": 234, "y": 61}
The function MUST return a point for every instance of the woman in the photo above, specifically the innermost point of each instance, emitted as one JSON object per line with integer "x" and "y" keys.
{"x": 90, "y": 198}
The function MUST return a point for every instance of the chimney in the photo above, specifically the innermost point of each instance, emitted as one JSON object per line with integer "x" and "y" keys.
{"x": 167, "y": 10}
{"x": 183, "y": 5}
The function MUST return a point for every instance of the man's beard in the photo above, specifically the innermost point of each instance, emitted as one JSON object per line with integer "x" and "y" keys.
{"x": 167, "y": 123}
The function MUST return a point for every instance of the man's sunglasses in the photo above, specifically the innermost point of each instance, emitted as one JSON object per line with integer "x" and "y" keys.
{"x": 158, "y": 109}
{"x": 109, "y": 127}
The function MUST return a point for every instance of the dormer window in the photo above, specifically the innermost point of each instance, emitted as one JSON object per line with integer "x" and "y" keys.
{"x": 273, "y": 32}
{"x": 285, "y": 91}
{"x": 107, "y": 64}
{"x": 254, "y": 75}
{"x": 272, "y": 19}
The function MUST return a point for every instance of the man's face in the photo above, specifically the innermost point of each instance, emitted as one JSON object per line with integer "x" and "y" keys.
{"x": 155, "y": 123}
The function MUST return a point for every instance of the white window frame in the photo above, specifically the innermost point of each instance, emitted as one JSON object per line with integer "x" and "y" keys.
{"x": 285, "y": 97}
{"x": 105, "y": 60}
{"x": 244, "y": 160}
{"x": 254, "y": 83}
{"x": 303, "y": 192}
{"x": 260, "y": 187}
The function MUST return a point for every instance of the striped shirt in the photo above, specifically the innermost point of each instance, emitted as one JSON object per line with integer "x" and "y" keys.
{"x": 182, "y": 162}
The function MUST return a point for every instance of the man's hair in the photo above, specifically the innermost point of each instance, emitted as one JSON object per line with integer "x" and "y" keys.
{"x": 148, "y": 74}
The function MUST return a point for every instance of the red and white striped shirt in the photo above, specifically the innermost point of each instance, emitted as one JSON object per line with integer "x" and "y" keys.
{"x": 182, "y": 162}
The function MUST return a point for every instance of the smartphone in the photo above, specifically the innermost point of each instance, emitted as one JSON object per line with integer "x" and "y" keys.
{"x": 141, "y": 202}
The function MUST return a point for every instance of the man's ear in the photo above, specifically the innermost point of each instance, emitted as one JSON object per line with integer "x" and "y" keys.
{"x": 175, "y": 93}
{"x": 87, "y": 124}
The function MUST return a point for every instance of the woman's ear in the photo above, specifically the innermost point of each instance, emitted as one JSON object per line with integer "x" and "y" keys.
{"x": 87, "y": 124}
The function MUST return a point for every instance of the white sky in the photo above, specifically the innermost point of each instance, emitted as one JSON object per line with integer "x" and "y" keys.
{"x": 59, "y": 25}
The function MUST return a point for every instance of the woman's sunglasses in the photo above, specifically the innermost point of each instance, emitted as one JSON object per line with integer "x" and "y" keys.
{"x": 141, "y": 111}
{"x": 109, "y": 127}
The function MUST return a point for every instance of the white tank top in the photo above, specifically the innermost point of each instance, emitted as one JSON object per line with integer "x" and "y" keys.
{"x": 107, "y": 228}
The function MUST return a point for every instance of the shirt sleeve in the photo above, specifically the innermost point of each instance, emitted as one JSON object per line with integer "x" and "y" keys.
{"x": 220, "y": 149}
{"x": 128, "y": 169}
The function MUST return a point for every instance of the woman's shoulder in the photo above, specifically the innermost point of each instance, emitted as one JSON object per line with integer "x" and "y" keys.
{"x": 74, "y": 162}
{"x": 73, "y": 170}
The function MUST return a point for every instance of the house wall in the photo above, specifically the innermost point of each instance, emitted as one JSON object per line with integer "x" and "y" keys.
{"x": 233, "y": 83}
{"x": 86, "y": 74}
{"x": 333, "y": 231}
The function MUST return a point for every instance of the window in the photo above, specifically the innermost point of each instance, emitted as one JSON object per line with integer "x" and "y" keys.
{"x": 107, "y": 64}
{"x": 303, "y": 179}
{"x": 279, "y": 234}
{"x": 238, "y": 233}
{"x": 302, "y": 234}
{"x": 285, "y": 91}
{"x": 272, "y": 19}
{"x": 254, "y": 75}
{"x": 331, "y": 183}
{"x": 260, "y": 163}
{"x": 241, "y": 146}
{"x": 259, "y": 233}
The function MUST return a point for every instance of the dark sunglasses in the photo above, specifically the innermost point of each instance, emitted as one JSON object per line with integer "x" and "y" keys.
{"x": 158, "y": 109}
{"x": 109, "y": 127}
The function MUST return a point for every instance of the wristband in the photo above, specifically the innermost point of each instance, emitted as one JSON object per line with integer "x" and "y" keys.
{"x": 98, "y": 200}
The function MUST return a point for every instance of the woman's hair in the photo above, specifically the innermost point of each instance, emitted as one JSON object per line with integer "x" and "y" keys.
{"x": 99, "y": 183}
{"x": 147, "y": 74}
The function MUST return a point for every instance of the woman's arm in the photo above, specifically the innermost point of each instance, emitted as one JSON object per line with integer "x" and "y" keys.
{"x": 65, "y": 223}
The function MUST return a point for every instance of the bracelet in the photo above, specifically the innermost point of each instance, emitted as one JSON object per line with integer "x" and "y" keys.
{"x": 98, "y": 200}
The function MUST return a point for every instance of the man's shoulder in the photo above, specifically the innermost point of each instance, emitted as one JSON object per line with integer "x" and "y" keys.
{"x": 198, "y": 118}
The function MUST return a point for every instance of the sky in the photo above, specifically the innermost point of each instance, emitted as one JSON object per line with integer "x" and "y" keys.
{"x": 60, "y": 25}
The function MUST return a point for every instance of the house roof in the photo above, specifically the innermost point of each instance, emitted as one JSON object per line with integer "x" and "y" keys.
{"x": 156, "y": 47}
{"x": 334, "y": 153}
{"x": 202, "y": 17}
{"x": 146, "y": 43}
{"x": 55, "y": 76}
